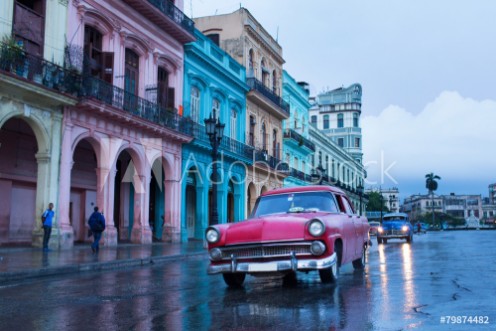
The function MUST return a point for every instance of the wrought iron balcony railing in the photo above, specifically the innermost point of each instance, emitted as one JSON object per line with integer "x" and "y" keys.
{"x": 14, "y": 60}
{"x": 116, "y": 97}
{"x": 257, "y": 85}
{"x": 302, "y": 141}
{"x": 300, "y": 175}
{"x": 174, "y": 13}
{"x": 227, "y": 144}
{"x": 261, "y": 156}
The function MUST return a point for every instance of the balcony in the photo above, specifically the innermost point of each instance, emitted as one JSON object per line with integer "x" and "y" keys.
{"x": 265, "y": 97}
{"x": 226, "y": 144}
{"x": 262, "y": 157}
{"x": 36, "y": 80}
{"x": 116, "y": 97}
{"x": 300, "y": 175}
{"x": 167, "y": 16}
{"x": 300, "y": 140}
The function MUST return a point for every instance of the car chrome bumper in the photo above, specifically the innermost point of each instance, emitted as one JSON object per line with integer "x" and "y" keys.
{"x": 392, "y": 236}
{"x": 291, "y": 264}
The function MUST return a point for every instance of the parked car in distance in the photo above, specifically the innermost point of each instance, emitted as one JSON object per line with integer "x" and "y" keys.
{"x": 374, "y": 226}
{"x": 395, "y": 226}
{"x": 310, "y": 228}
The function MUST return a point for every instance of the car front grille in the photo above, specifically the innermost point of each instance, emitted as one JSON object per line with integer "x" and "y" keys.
{"x": 395, "y": 232}
{"x": 264, "y": 251}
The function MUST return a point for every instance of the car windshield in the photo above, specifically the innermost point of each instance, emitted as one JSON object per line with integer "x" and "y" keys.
{"x": 394, "y": 218}
{"x": 304, "y": 202}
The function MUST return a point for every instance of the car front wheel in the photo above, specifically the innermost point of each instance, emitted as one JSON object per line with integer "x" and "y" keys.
{"x": 331, "y": 274}
{"x": 409, "y": 239}
{"x": 379, "y": 240}
{"x": 234, "y": 279}
{"x": 360, "y": 263}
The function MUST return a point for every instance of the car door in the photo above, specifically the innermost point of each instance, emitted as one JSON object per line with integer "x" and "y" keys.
{"x": 358, "y": 227}
{"x": 349, "y": 233}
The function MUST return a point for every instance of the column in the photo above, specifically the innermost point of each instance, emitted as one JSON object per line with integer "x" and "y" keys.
{"x": 42, "y": 198}
{"x": 66, "y": 163}
{"x": 105, "y": 200}
{"x": 141, "y": 232}
{"x": 172, "y": 215}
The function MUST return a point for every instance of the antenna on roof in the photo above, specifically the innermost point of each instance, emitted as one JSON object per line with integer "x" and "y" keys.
{"x": 216, "y": 11}
{"x": 277, "y": 34}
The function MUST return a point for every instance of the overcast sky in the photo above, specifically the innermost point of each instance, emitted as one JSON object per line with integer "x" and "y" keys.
{"x": 428, "y": 74}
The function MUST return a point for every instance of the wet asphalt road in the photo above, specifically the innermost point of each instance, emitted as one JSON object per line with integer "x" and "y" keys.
{"x": 403, "y": 287}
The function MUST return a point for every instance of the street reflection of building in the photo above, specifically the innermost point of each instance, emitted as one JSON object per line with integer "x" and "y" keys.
{"x": 213, "y": 81}
{"x": 103, "y": 108}
{"x": 245, "y": 39}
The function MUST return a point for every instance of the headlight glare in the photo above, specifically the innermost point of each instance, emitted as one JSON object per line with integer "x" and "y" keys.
{"x": 316, "y": 228}
{"x": 404, "y": 228}
{"x": 212, "y": 235}
{"x": 380, "y": 229}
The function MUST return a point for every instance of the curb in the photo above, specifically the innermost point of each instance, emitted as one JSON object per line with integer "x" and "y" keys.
{"x": 95, "y": 266}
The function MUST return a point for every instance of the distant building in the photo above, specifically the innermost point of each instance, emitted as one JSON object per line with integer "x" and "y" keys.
{"x": 459, "y": 206}
{"x": 391, "y": 197}
{"x": 337, "y": 114}
{"x": 492, "y": 193}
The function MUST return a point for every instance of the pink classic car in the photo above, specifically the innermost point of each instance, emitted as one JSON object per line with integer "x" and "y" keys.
{"x": 290, "y": 229}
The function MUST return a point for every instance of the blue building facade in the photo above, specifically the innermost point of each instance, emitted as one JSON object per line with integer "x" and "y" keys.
{"x": 214, "y": 83}
{"x": 297, "y": 148}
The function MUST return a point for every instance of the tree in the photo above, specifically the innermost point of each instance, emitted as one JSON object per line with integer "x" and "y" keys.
{"x": 431, "y": 185}
{"x": 375, "y": 202}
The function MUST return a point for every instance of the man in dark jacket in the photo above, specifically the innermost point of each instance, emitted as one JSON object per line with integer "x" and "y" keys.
{"x": 97, "y": 226}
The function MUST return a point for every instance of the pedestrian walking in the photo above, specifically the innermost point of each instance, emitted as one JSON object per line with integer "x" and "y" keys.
{"x": 47, "y": 220}
{"x": 96, "y": 223}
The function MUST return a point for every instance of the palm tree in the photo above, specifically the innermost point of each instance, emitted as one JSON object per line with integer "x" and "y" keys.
{"x": 431, "y": 185}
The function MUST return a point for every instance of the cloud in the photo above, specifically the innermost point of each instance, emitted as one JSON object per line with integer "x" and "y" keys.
{"x": 453, "y": 136}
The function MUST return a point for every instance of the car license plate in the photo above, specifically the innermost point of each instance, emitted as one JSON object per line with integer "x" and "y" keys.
{"x": 259, "y": 267}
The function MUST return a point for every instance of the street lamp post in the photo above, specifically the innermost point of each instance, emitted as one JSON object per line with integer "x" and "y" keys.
{"x": 382, "y": 202}
{"x": 215, "y": 131}
{"x": 360, "y": 194}
{"x": 391, "y": 200}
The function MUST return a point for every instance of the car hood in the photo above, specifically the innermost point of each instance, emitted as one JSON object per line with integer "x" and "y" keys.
{"x": 393, "y": 225}
{"x": 269, "y": 228}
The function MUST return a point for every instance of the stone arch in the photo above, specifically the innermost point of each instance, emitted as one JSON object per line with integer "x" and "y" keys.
{"x": 36, "y": 123}
{"x": 98, "y": 21}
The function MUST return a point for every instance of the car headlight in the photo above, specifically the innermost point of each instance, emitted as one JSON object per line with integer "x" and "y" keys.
{"x": 215, "y": 254}
{"x": 212, "y": 235}
{"x": 317, "y": 248}
{"x": 404, "y": 228}
{"x": 316, "y": 228}
{"x": 380, "y": 229}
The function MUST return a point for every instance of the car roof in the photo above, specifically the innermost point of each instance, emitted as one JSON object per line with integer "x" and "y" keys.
{"x": 298, "y": 189}
{"x": 396, "y": 214}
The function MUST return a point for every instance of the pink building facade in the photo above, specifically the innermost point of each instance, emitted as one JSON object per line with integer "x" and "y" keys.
{"x": 121, "y": 144}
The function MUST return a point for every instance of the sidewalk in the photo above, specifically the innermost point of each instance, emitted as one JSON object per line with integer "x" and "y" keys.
{"x": 30, "y": 262}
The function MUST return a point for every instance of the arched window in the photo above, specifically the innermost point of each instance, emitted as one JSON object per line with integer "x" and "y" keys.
{"x": 340, "y": 120}
{"x": 131, "y": 75}
{"x": 275, "y": 149}
{"x": 326, "y": 121}
{"x": 216, "y": 108}
{"x": 265, "y": 73}
{"x": 251, "y": 64}
{"x": 355, "y": 120}
{"x": 195, "y": 104}
{"x": 313, "y": 119}
{"x": 234, "y": 124}
{"x": 264, "y": 137}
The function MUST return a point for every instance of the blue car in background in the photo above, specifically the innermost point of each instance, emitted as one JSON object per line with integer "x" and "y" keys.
{"x": 395, "y": 226}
